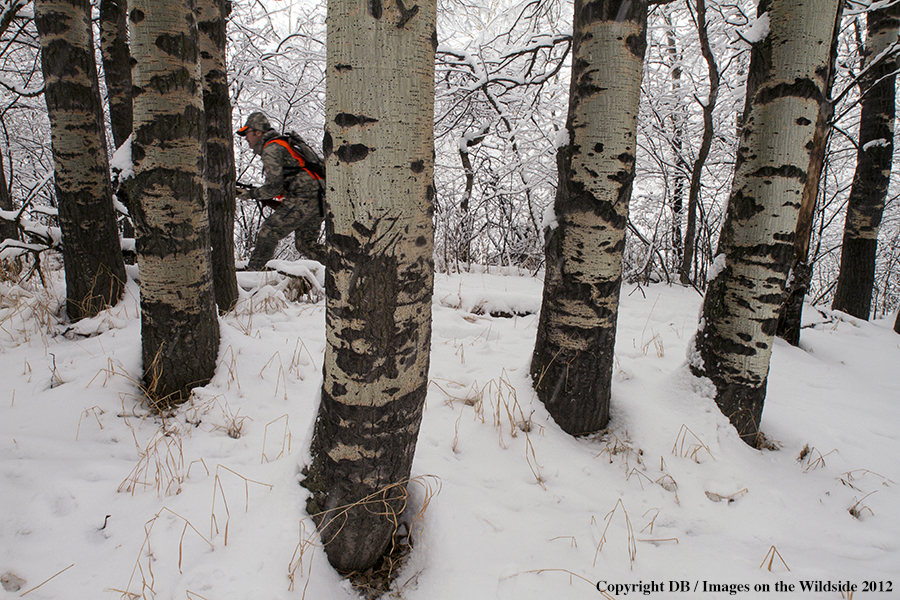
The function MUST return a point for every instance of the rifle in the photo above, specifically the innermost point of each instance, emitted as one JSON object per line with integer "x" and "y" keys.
{"x": 259, "y": 203}
{"x": 246, "y": 186}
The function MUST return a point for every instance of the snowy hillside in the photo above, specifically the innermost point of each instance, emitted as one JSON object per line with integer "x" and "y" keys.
{"x": 99, "y": 500}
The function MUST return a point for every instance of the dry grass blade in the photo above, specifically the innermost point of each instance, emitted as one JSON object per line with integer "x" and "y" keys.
{"x": 658, "y": 540}
{"x": 650, "y": 525}
{"x": 96, "y": 411}
{"x": 657, "y": 342}
{"x": 295, "y": 567}
{"x": 234, "y": 423}
{"x": 574, "y": 542}
{"x": 652, "y": 522}
{"x": 770, "y": 557}
{"x": 855, "y": 474}
{"x": 48, "y": 579}
{"x": 160, "y": 464}
{"x": 656, "y": 339}
{"x": 631, "y": 545}
{"x": 473, "y": 396}
{"x": 508, "y": 416}
{"x": 572, "y": 577}
{"x": 668, "y": 483}
{"x": 638, "y": 474}
{"x": 230, "y": 366}
{"x": 858, "y": 508}
{"x": 531, "y": 459}
{"x": 811, "y": 462}
{"x": 279, "y": 379}
{"x": 285, "y": 439}
{"x": 297, "y": 358}
{"x": 28, "y": 309}
{"x": 148, "y": 579}
{"x": 686, "y": 447}
{"x": 615, "y": 446}
{"x": 218, "y": 489}
{"x": 201, "y": 462}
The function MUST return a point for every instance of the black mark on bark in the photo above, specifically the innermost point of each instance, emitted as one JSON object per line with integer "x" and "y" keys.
{"x": 787, "y": 171}
{"x": 375, "y": 8}
{"x": 744, "y": 206}
{"x": 180, "y": 46}
{"x": 406, "y": 15}
{"x": 636, "y": 44}
{"x": 348, "y": 120}
{"x": 349, "y": 153}
{"x": 800, "y": 88}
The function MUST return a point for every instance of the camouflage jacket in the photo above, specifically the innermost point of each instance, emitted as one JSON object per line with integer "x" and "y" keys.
{"x": 284, "y": 176}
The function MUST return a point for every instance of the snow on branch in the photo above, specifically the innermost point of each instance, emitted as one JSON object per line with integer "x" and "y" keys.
{"x": 40, "y": 237}
{"x": 25, "y": 93}
{"x": 9, "y": 10}
{"x": 543, "y": 55}
{"x": 757, "y": 31}
{"x": 859, "y": 7}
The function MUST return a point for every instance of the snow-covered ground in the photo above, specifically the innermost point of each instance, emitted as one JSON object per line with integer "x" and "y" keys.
{"x": 99, "y": 500}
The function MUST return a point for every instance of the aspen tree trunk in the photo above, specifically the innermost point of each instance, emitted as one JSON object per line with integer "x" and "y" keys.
{"x": 865, "y": 206}
{"x": 733, "y": 344}
{"x": 220, "y": 170}
{"x": 678, "y": 119}
{"x": 179, "y": 329}
{"x": 690, "y": 235}
{"x": 95, "y": 271}
{"x": 573, "y": 355}
{"x": 379, "y": 154}
{"x": 117, "y": 73}
{"x": 791, "y": 312}
{"x": 464, "y": 246}
{"x": 116, "y": 66}
{"x": 8, "y": 229}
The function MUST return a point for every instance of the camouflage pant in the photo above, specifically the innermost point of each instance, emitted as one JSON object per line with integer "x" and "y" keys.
{"x": 299, "y": 214}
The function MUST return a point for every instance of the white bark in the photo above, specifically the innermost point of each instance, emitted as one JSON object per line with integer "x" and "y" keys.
{"x": 179, "y": 327}
{"x": 741, "y": 306}
{"x": 379, "y": 159}
{"x": 573, "y": 357}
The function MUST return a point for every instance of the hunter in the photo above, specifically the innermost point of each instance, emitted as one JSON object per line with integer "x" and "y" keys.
{"x": 295, "y": 193}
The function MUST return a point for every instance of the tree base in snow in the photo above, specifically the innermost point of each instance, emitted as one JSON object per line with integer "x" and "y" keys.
{"x": 743, "y": 405}
{"x": 575, "y": 385}
{"x": 356, "y": 534}
{"x": 378, "y": 580}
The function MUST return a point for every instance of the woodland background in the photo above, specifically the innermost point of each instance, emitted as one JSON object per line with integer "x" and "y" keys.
{"x": 501, "y": 94}
{"x": 500, "y": 131}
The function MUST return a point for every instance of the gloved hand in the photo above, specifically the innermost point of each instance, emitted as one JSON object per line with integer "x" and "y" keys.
{"x": 244, "y": 194}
